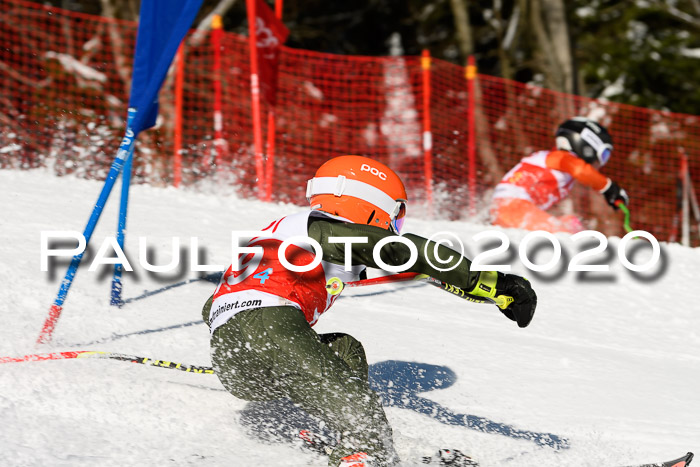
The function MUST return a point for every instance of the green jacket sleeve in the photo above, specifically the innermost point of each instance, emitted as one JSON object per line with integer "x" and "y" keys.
{"x": 393, "y": 253}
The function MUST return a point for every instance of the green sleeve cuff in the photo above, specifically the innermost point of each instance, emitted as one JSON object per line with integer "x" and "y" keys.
{"x": 485, "y": 284}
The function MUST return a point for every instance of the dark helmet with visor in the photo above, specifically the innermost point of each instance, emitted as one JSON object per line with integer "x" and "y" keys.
{"x": 587, "y": 139}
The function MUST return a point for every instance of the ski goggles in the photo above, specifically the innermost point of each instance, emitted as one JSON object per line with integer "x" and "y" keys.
{"x": 601, "y": 149}
{"x": 398, "y": 216}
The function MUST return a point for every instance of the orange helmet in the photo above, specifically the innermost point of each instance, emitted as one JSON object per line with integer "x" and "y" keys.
{"x": 360, "y": 190}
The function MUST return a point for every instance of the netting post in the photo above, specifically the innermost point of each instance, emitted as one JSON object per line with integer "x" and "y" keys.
{"x": 177, "y": 123}
{"x": 427, "y": 132}
{"x": 270, "y": 163}
{"x": 470, "y": 73}
{"x": 694, "y": 200}
{"x": 689, "y": 200}
{"x": 255, "y": 98}
{"x": 278, "y": 8}
{"x": 219, "y": 142}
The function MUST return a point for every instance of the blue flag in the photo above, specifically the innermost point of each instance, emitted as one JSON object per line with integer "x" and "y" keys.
{"x": 162, "y": 26}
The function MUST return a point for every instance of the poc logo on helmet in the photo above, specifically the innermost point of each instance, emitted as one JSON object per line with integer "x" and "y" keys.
{"x": 373, "y": 171}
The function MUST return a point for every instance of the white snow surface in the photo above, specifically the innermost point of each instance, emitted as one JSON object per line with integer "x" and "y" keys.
{"x": 611, "y": 361}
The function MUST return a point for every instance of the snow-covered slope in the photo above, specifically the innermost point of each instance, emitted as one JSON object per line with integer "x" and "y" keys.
{"x": 611, "y": 362}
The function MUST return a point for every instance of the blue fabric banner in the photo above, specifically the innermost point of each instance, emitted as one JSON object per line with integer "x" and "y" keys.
{"x": 162, "y": 26}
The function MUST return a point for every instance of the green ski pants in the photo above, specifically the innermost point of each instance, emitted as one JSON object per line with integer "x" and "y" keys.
{"x": 272, "y": 353}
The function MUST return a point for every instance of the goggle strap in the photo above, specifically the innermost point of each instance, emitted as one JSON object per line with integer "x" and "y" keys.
{"x": 342, "y": 186}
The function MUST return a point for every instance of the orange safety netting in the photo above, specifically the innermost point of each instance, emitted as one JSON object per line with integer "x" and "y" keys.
{"x": 64, "y": 87}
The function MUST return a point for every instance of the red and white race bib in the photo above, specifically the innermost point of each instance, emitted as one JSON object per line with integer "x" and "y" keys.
{"x": 262, "y": 280}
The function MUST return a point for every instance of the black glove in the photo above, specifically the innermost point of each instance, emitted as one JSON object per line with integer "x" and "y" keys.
{"x": 522, "y": 308}
{"x": 613, "y": 193}
{"x": 512, "y": 294}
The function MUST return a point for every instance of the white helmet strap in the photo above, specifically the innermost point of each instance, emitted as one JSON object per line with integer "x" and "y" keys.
{"x": 342, "y": 186}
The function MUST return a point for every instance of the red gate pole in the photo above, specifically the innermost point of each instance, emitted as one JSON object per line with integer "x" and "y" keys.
{"x": 219, "y": 142}
{"x": 278, "y": 8}
{"x": 427, "y": 133}
{"x": 470, "y": 73}
{"x": 685, "y": 201}
{"x": 270, "y": 165}
{"x": 255, "y": 99}
{"x": 177, "y": 136}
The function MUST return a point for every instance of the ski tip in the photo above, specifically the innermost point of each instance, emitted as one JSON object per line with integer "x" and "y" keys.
{"x": 680, "y": 462}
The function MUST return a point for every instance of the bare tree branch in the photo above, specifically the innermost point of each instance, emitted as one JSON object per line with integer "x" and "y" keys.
{"x": 466, "y": 47}
{"x": 681, "y": 15}
{"x": 22, "y": 78}
{"x": 205, "y": 25}
{"x": 486, "y": 152}
{"x": 696, "y": 5}
{"x": 555, "y": 15}
{"x": 555, "y": 47}
{"x": 552, "y": 72}
{"x": 463, "y": 27}
{"x": 118, "y": 45}
{"x": 512, "y": 28}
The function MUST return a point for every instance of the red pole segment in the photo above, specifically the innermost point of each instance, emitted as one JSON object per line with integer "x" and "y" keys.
{"x": 49, "y": 324}
{"x": 427, "y": 133}
{"x": 685, "y": 201}
{"x": 42, "y": 357}
{"x": 278, "y": 8}
{"x": 177, "y": 125}
{"x": 270, "y": 165}
{"x": 219, "y": 141}
{"x": 401, "y": 277}
{"x": 470, "y": 73}
{"x": 110, "y": 355}
{"x": 255, "y": 99}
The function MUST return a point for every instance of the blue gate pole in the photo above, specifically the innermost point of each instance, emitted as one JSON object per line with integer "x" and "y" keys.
{"x": 116, "y": 294}
{"x": 162, "y": 26}
{"x": 126, "y": 147}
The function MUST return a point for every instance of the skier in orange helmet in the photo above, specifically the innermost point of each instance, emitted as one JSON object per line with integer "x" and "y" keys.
{"x": 261, "y": 314}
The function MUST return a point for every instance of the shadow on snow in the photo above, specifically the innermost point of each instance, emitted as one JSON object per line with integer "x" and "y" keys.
{"x": 399, "y": 384}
